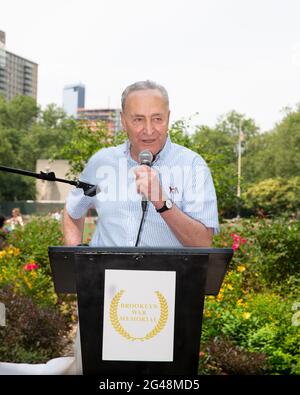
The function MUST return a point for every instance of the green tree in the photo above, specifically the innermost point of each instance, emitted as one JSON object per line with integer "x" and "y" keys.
{"x": 28, "y": 134}
{"x": 217, "y": 148}
{"x": 286, "y": 144}
{"x": 19, "y": 113}
{"x": 13, "y": 187}
{"x": 179, "y": 135}
{"x": 52, "y": 131}
{"x": 232, "y": 122}
{"x": 275, "y": 153}
{"x": 84, "y": 143}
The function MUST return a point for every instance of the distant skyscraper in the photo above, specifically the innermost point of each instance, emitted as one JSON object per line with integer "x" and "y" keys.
{"x": 73, "y": 98}
{"x": 18, "y": 76}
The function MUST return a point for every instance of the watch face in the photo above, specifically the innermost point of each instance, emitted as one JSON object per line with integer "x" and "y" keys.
{"x": 169, "y": 203}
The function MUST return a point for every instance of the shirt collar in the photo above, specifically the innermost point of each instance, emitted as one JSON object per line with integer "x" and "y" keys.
{"x": 160, "y": 156}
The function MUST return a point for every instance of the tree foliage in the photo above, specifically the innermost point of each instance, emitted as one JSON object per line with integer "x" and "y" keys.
{"x": 274, "y": 196}
{"x": 28, "y": 134}
{"x": 84, "y": 143}
{"x": 275, "y": 153}
{"x": 19, "y": 113}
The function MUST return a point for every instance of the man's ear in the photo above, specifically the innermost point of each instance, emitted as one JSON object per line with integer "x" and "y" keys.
{"x": 169, "y": 117}
{"x": 123, "y": 121}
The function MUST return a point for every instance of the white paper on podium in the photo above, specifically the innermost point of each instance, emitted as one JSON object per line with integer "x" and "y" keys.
{"x": 139, "y": 310}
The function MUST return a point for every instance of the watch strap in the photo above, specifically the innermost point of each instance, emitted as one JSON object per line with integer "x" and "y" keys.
{"x": 163, "y": 208}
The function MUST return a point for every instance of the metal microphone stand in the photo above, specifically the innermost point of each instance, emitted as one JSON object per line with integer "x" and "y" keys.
{"x": 88, "y": 189}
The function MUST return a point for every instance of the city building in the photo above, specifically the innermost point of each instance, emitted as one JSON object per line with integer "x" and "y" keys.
{"x": 111, "y": 117}
{"x": 73, "y": 98}
{"x": 18, "y": 76}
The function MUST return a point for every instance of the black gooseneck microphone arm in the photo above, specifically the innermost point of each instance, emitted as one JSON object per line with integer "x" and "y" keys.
{"x": 88, "y": 189}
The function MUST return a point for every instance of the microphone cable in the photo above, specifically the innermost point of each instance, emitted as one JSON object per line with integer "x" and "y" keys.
{"x": 144, "y": 207}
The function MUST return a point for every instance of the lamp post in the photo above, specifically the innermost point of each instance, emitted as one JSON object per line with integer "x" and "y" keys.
{"x": 239, "y": 170}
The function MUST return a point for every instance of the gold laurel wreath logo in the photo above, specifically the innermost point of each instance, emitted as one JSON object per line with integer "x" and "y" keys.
{"x": 113, "y": 313}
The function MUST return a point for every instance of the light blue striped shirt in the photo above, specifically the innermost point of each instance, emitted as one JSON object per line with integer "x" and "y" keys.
{"x": 185, "y": 179}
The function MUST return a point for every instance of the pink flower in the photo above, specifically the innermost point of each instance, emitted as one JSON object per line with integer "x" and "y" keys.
{"x": 235, "y": 245}
{"x": 237, "y": 240}
{"x": 30, "y": 266}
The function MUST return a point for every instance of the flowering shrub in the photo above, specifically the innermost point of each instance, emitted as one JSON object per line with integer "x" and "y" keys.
{"x": 252, "y": 310}
{"x": 37, "y": 321}
{"x": 34, "y": 239}
{"x": 26, "y": 279}
{"x": 270, "y": 250}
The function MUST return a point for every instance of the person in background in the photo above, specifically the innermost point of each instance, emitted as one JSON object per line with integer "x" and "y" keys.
{"x": 56, "y": 215}
{"x": 16, "y": 219}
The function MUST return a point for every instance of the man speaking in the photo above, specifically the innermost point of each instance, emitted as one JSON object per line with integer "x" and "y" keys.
{"x": 176, "y": 183}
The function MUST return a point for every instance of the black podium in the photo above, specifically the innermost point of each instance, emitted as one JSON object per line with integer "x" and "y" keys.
{"x": 190, "y": 273}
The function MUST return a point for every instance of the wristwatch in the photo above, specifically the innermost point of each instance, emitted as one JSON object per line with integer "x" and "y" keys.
{"x": 167, "y": 205}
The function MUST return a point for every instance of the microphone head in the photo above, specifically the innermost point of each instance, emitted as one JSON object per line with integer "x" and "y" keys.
{"x": 145, "y": 157}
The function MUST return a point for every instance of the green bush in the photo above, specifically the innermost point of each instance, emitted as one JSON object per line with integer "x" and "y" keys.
{"x": 224, "y": 356}
{"x": 241, "y": 236}
{"x": 26, "y": 277}
{"x": 279, "y": 242}
{"x": 258, "y": 323}
{"x": 269, "y": 249}
{"x": 32, "y": 334}
{"x": 274, "y": 196}
{"x": 37, "y": 320}
{"x": 34, "y": 239}
{"x": 254, "y": 308}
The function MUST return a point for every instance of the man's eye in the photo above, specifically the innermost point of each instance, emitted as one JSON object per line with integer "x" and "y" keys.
{"x": 158, "y": 119}
{"x": 137, "y": 120}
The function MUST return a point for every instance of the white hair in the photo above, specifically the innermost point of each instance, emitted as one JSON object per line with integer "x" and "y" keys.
{"x": 141, "y": 86}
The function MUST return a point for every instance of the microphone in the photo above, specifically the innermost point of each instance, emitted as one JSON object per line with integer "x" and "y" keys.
{"x": 145, "y": 158}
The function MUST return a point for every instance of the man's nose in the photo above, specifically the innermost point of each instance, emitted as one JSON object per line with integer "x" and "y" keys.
{"x": 148, "y": 127}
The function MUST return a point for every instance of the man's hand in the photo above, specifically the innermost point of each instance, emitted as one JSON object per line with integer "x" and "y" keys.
{"x": 188, "y": 231}
{"x": 147, "y": 184}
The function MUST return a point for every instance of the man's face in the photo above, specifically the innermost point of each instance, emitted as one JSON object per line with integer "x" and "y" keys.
{"x": 146, "y": 121}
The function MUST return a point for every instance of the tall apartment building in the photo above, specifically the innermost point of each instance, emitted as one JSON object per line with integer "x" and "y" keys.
{"x": 73, "y": 98}
{"x": 111, "y": 117}
{"x": 18, "y": 76}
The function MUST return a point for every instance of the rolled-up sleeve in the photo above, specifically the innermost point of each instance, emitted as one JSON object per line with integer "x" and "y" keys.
{"x": 77, "y": 204}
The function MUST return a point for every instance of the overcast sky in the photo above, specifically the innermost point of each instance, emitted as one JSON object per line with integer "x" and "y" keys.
{"x": 212, "y": 55}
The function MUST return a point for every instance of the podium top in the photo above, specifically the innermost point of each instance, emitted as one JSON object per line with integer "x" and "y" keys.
{"x": 62, "y": 261}
{"x": 147, "y": 250}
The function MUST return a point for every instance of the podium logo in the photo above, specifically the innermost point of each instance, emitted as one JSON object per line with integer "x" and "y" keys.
{"x": 139, "y": 312}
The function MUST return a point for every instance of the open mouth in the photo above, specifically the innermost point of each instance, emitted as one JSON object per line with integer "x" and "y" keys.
{"x": 150, "y": 141}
